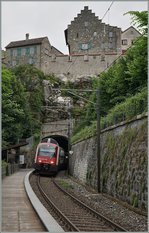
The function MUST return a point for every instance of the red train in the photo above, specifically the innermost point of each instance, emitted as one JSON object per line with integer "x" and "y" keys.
{"x": 49, "y": 157}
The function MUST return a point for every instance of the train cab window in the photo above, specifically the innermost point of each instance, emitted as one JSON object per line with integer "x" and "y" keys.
{"x": 47, "y": 151}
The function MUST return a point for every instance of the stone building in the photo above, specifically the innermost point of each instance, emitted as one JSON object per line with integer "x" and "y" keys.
{"x": 128, "y": 37}
{"x": 87, "y": 34}
{"x": 93, "y": 47}
{"x": 30, "y": 51}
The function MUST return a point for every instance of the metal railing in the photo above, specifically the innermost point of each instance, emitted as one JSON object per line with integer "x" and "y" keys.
{"x": 127, "y": 112}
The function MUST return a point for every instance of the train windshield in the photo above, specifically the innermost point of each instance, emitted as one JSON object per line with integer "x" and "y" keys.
{"x": 46, "y": 150}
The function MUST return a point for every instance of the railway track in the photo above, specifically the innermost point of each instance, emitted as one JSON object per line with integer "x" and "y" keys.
{"x": 73, "y": 215}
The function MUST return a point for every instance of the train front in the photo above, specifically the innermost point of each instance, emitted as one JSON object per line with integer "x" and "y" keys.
{"x": 46, "y": 158}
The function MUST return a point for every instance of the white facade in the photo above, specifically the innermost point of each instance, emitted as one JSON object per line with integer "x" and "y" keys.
{"x": 128, "y": 37}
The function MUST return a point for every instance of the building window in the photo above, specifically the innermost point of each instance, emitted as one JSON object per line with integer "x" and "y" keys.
{"x": 27, "y": 51}
{"x": 14, "y": 53}
{"x": 35, "y": 49}
{"x": 32, "y": 51}
{"x": 11, "y": 52}
{"x": 77, "y": 36}
{"x": 110, "y": 34}
{"x": 124, "y": 42}
{"x": 85, "y": 24}
{"x": 95, "y": 34}
{"x": 23, "y": 52}
{"x": 19, "y": 51}
{"x": 131, "y": 32}
{"x": 85, "y": 46}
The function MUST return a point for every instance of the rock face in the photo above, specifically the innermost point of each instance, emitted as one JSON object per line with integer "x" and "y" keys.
{"x": 123, "y": 162}
{"x": 59, "y": 103}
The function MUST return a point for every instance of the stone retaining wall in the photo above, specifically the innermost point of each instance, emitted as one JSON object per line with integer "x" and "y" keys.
{"x": 123, "y": 162}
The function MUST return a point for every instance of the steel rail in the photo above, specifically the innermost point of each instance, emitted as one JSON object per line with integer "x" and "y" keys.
{"x": 71, "y": 225}
{"x": 112, "y": 224}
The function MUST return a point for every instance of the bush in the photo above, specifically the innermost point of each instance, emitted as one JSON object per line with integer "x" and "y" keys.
{"x": 125, "y": 111}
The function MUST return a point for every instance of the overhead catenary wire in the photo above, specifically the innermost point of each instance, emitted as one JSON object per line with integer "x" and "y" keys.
{"x": 108, "y": 9}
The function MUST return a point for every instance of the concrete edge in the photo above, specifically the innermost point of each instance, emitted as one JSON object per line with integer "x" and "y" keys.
{"x": 49, "y": 222}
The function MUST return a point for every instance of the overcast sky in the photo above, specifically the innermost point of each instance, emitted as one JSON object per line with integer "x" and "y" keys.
{"x": 51, "y": 18}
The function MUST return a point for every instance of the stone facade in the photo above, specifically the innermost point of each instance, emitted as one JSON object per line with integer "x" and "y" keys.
{"x": 93, "y": 47}
{"x": 123, "y": 162}
{"x": 30, "y": 51}
{"x": 56, "y": 128}
{"x": 87, "y": 35}
{"x": 75, "y": 66}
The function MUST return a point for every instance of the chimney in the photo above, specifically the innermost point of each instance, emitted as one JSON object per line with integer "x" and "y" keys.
{"x": 27, "y": 36}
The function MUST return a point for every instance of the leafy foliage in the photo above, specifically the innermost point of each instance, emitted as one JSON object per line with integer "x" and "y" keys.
{"x": 140, "y": 19}
{"x": 21, "y": 97}
{"x": 32, "y": 78}
{"x": 13, "y": 100}
{"x": 126, "y": 110}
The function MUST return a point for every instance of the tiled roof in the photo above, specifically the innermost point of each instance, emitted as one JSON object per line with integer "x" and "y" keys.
{"x": 21, "y": 43}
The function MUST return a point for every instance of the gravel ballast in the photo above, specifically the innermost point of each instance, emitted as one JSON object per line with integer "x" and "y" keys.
{"x": 132, "y": 219}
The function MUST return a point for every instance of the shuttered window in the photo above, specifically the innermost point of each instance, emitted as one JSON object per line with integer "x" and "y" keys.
{"x": 27, "y": 51}
{"x": 19, "y": 51}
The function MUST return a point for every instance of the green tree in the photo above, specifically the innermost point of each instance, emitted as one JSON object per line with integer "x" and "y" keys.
{"x": 140, "y": 19}
{"x": 12, "y": 111}
{"x": 32, "y": 78}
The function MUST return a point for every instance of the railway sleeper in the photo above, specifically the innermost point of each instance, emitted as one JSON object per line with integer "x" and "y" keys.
{"x": 101, "y": 229}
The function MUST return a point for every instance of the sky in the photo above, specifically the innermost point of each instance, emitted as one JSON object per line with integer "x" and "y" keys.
{"x": 51, "y": 18}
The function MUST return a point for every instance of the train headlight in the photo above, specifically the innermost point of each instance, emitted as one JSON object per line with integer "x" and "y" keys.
{"x": 51, "y": 162}
{"x": 40, "y": 161}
